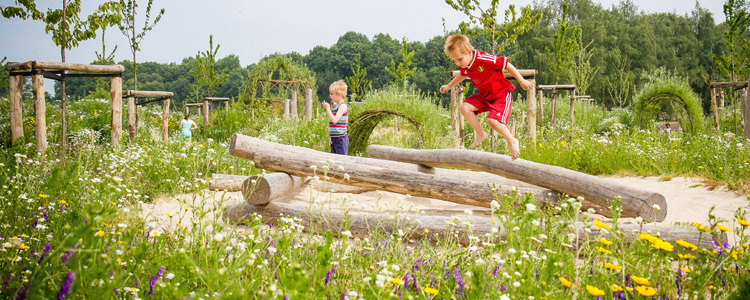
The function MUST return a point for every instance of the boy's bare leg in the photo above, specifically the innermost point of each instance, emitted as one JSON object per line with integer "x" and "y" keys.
{"x": 513, "y": 145}
{"x": 467, "y": 110}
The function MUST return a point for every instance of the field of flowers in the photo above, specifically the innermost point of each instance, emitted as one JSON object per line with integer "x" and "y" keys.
{"x": 70, "y": 227}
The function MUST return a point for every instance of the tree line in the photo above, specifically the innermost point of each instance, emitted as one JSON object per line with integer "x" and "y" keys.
{"x": 620, "y": 46}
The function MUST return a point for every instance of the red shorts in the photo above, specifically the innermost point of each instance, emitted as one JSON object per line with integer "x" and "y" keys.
{"x": 499, "y": 109}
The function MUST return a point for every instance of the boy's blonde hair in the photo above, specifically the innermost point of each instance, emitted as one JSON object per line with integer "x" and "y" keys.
{"x": 338, "y": 87}
{"x": 458, "y": 44}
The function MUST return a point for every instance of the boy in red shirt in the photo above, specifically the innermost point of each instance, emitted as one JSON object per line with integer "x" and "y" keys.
{"x": 486, "y": 73}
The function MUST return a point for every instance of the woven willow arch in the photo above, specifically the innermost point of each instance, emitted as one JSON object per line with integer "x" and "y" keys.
{"x": 364, "y": 123}
{"x": 649, "y": 101}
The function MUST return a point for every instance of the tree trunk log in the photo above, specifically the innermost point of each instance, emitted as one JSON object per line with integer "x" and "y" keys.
{"x": 262, "y": 189}
{"x": 15, "y": 89}
{"x": 205, "y": 112}
{"x": 413, "y": 225}
{"x": 308, "y": 104}
{"x": 40, "y": 113}
{"x": 635, "y": 202}
{"x": 131, "y": 118}
{"x": 165, "y": 120}
{"x": 115, "y": 91}
{"x": 714, "y": 108}
{"x": 293, "y": 106}
{"x": 455, "y": 117}
{"x": 226, "y": 182}
{"x": 746, "y": 110}
{"x": 540, "y": 100}
{"x": 572, "y": 111}
{"x": 531, "y": 111}
{"x": 286, "y": 108}
{"x": 553, "y": 108}
{"x": 371, "y": 173}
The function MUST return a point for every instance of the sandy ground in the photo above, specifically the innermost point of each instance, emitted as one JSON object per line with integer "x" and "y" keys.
{"x": 688, "y": 201}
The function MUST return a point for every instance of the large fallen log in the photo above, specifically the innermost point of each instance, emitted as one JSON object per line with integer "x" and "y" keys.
{"x": 262, "y": 189}
{"x": 361, "y": 224}
{"x": 635, "y": 202}
{"x": 371, "y": 173}
{"x": 226, "y": 182}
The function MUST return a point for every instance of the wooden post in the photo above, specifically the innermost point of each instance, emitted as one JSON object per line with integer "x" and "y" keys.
{"x": 572, "y": 110}
{"x": 293, "y": 105}
{"x": 714, "y": 108}
{"x": 746, "y": 109}
{"x": 205, "y": 112}
{"x": 15, "y": 89}
{"x": 91, "y": 137}
{"x": 115, "y": 92}
{"x": 40, "y": 113}
{"x": 131, "y": 117}
{"x": 531, "y": 110}
{"x": 308, "y": 104}
{"x": 165, "y": 120}
{"x": 455, "y": 117}
{"x": 553, "y": 107}
{"x": 286, "y": 108}
{"x": 721, "y": 98}
{"x": 461, "y": 121}
{"x": 540, "y": 100}
{"x": 226, "y": 106}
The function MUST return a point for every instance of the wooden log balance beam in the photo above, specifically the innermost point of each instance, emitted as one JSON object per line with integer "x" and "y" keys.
{"x": 234, "y": 183}
{"x": 257, "y": 189}
{"x": 360, "y": 224}
{"x": 635, "y": 202}
{"x": 397, "y": 177}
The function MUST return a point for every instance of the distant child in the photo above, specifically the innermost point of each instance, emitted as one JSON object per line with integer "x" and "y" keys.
{"x": 338, "y": 117}
{"x": 187, "y": 126}
{"x": 486, "y": 73}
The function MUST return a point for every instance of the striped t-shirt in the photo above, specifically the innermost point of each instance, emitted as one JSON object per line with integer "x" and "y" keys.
{"x": 338, "y": 129}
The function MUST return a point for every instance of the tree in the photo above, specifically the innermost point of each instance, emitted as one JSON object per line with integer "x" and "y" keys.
{"x": 68, "y": 30}
{"x": 203, "y": 71}
{"x": 565, "y": 47}
{"x": 487, "y": 20}
{"x": 402, "y": 73}
{"x": 3, "y": 79}
{"x": 358, "y": 85}
{"x": 128, "y": 28}
{"x": 583, "y": 72}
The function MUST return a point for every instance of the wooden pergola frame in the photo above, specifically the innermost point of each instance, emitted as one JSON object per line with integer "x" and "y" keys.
{"x": 38, "y": 70}
{"x": 290, "y": 105}
{"x": 132, "y": 95}
{"x": 552, "y": 89}
{"x": 457, "y": 121}
{"x": 205, "y": 107}
{"x": 744, "y": 102}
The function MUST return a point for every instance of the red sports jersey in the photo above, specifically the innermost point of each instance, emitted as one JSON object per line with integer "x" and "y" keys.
{"x": 486, "y": 73}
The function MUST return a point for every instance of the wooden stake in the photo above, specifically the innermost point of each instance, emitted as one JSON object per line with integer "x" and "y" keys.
{"x": 205, "y": 112}
{"x": 308, "y": 104}
{"x": 293, "y": 105}
{"x": 541, "y": 106}
{"x": 115, "y": 91}
{"x": 714, "y": 108}
{"x": 746, "y": 110}
{"x": 455, "y": 117}
{"x": 286, "y": 108}
{"x": 531, "y": 110}
{"x": 40, "y": 113}
{"x": 15, "y": 89}
{"x": 131, "y": 118}
{"x": 165, "y": 120}
{"x": 572, "y": 111}
{"x": 553, "y": 107}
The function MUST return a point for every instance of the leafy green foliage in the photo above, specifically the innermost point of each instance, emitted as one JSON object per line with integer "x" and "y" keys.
{"x": 260, "y": 87}
{"x": 204, "y": 71}
{"x": 735, "y": 64}
{"x": 404, "y": 71}
{"x": 565, "y": 47}
{"x": 666, "y": 89}
{"x": 135, "y": 36}
{"x": 357, "y": 83}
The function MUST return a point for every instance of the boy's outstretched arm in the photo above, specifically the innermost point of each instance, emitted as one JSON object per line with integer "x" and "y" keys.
{"x": 335, "y": 118}
{"x": 456, "y": 80}
{"x": 525, "y": 84}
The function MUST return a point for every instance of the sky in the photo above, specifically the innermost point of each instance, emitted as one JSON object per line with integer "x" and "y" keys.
{"x": 252, "y": 29}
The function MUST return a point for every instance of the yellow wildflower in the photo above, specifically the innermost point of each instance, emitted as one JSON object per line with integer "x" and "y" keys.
{"x": 605, "y": 241}
{"x": 639, "y": 280}
{"x": 23, "y": 246}
{"x": 700, "y": 227}
{"x": 616, "y": 288}
{"x": 742, "y": 222}
{"x": 600, "y": 225}
{"x": 745, "y": 246}
{"x": 99, "y": 233}
{"x": 566, "y": 282}
{"x": 647, "y": 237}
{"x": 662, "y": 245}
{"x": 686, "y": 270}
{"x": 611, "y": 266}
{"x": 686, "y": 256}
{"x": 43, "y": 196}
{"x": 686, "y": 245}
{"x": 186, "y": 208}
{"x": 63, "y": 202}
{"x": 426, "y": 230}
{"x": 430, "y": 290}
{"x": 396, "y": 280}
{"x": 602, "y": 250}
{"x": 722, "y": 228}
{"x": 594, "y": 291}
{"x": 646, "y": 291}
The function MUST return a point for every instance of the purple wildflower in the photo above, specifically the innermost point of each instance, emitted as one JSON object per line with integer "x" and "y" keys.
{"x": 494, "y": 273}
{"x": 416, "y": 284}
{"x": 66, "y": 257}
{"x": 46, "y": 217}
{"x": 21, "y": 293}
{"x": 154, "y": 279}
{"x": 445, "y": 270}
{"x": 503, "y": 288}
{"x": 66, "y": 285}
{"x": 117, "y": 292}
{"x": 406, "y": 282}
{"x": 286, "y": 297}
{"x": 458, "y": 278}
{"x": 678, "y": 282}
{"x": 45, "y": 252}
{"x": 328, "y": 275}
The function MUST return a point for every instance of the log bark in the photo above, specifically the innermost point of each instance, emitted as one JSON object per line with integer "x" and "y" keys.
{"x": 115, "y": 91}
{"x": 134, "y": 93}
{"x": 131, "y": 117}
{"x": 540, "y": 100}
{"x": 262, "y": 189}
{"x": 553, "y": 108}
{"x": 51, "y": 66}
{"x": 531, "y": 110}
{"x": 361, "y": 224}
{"x": 286, "y": 108}
{"x": 714, "y": 109}
{"x": 456, "y": 117}
{"x": 572, "y": 111}
{"x": 205, "y": 112}
{"x": 635, "y": 202}
{"x": 165, "y": 120}
{"x": 226, "y": 182}
{"x": 40, "y": 113}
{"x": 372, "y": 173}
{"x": 308, "y": 104}
{"x": 15, "y": 89}
{"x": 293, "y": 106}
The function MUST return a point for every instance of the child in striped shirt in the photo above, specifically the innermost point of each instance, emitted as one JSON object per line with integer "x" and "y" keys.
{"x": 338, "y": 116}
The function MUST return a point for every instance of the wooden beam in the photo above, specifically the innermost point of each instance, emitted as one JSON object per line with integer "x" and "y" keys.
{"x": 371, "y": 173}
{"x": 286, "y": 108}
{"x": 262, "y": 189}
{"x": 40, "y": 113}
{"x": 739, "y": 84}
{"x": 215, "y": 99}
{"x": 50, "y": 66}
{"x": 635, "y": 202}
{"x": 134, "y": 93}
{"x": 558, "y": 87}
{"x": 15, "y": 91}
{"x": 419, "y": 226}
{"x": 524, "y": 72}
{"x": 194, "y": 104}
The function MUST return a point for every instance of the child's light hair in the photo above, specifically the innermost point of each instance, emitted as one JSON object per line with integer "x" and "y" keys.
{"x": 338, "y": 87}
{"x": 458, "y": 44}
